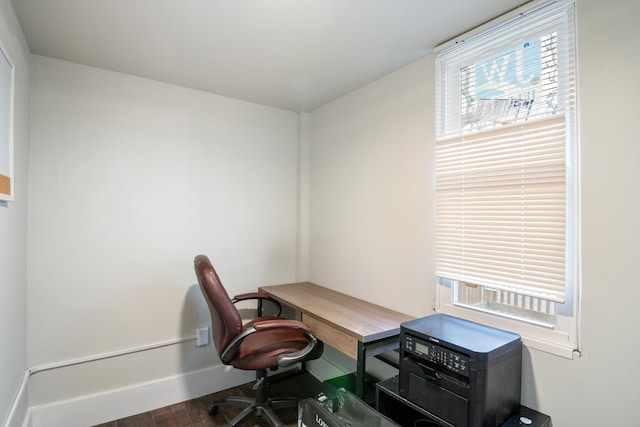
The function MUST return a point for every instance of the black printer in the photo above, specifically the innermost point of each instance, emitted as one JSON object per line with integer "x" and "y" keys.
{"x": 462, "y": 373}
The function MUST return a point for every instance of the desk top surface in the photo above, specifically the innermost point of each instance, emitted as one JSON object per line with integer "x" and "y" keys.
{"x": 360, "y": 319}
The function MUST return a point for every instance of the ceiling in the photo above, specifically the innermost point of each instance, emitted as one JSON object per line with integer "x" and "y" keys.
{"x": 290, "y": 54}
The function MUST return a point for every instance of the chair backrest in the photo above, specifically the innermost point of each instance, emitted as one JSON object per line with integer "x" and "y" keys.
{"x": 226, "y": 322}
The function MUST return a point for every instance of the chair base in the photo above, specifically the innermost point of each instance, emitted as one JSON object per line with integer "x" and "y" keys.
{"x": 260, "y": 405}
{"x": 254, "y": 407}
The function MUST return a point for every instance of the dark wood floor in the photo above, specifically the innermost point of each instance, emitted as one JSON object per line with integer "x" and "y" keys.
{"x": 194, "y": 413}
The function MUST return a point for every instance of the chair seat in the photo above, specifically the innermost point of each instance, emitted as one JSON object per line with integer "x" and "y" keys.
{"x": 261, "y": 350}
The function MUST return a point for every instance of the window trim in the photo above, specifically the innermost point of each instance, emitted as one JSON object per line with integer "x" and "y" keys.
{"x": 568, "y": 317}
{"x": 7, "y": 184}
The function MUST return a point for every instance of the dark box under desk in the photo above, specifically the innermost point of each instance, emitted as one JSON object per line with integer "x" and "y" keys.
{"x": 400, "y": 410}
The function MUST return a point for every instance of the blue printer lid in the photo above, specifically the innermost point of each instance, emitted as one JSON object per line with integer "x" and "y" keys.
{"x": 467, "y": 335}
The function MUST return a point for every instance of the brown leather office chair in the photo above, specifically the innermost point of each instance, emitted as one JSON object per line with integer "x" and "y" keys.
{"x": 267, "y": 342}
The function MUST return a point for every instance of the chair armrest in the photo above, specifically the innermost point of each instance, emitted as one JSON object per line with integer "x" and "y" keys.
{"x": 260, "y": 326}
{"x": 260, "y": 297}
{"x": 251, "y": 295}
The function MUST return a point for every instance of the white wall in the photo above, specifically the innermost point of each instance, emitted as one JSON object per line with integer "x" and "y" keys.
{"x": 129, "y": 180}
{"x": 372, "y": 212}
{"x": 13, "y": 231}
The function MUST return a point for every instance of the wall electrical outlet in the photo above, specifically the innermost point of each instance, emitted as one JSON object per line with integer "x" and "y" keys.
{"x": 202, "y": 337}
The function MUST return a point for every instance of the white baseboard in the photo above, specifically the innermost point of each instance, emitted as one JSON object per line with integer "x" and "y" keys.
{"x": 20, "y": 406}
{"x": 27, "y": 419}
{"x": 115, "y": 404}
{"x": 93, "y": 409}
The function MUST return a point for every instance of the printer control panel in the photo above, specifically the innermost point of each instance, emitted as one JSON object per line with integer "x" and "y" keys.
{"x": 436, "y": 354}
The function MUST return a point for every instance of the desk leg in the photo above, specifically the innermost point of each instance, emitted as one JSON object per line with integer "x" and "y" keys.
{"x": 360, "y": 369}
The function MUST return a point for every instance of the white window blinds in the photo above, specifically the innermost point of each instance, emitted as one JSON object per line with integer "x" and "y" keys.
{"x": 500, "y": 208}
{"x": 505, "y": 187}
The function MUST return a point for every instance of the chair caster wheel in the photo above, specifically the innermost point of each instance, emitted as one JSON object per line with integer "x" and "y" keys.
{"x": 213, "y": 410}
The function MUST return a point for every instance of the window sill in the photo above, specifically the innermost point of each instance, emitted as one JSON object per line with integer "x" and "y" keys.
{"x": 521, "y": 328}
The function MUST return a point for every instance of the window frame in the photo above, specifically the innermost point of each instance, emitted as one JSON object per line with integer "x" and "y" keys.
{"x": 7, "y": 184}
{"x": 563, "y": 337}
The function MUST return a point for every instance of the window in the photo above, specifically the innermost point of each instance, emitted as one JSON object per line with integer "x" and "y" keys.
{"x": 6, "y": 122}
{"x": 506, "y": 177}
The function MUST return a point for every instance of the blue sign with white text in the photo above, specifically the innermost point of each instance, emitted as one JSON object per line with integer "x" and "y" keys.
{"x": 508, "y": 73}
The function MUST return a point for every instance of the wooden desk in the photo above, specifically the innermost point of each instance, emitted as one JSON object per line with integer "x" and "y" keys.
{"x": 351, "y": 325}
